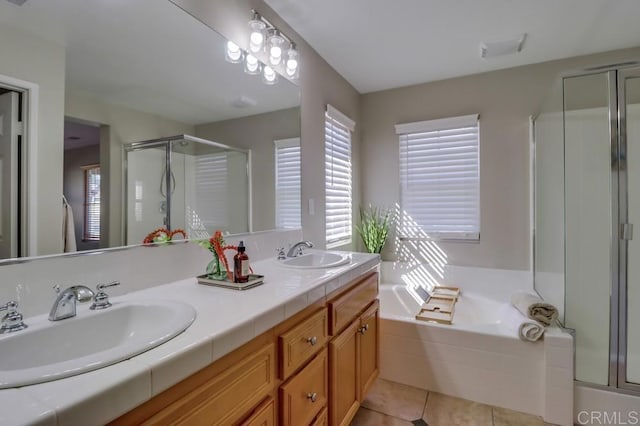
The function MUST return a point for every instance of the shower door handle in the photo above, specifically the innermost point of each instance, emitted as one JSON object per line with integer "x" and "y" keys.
{"x": 626, "y": 231}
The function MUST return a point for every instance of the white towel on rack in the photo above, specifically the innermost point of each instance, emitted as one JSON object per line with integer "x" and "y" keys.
{"x": 68, "y": 227}
{"x": 534, "y": 307}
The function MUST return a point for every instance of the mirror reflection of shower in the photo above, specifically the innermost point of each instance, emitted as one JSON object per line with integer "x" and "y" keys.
{"x": 208, "y": 187}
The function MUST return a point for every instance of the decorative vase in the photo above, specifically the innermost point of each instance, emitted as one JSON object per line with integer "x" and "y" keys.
{"x": 216, "y": 270}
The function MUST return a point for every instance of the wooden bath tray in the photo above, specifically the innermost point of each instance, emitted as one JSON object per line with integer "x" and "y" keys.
{"x": 440, "y": 305}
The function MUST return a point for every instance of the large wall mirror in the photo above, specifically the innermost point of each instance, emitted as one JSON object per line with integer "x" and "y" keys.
{"x": 111, "y": 73}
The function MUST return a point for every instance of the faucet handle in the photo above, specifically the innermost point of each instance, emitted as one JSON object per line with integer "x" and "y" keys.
{"x": 13, "y": 320}
{"x": 281, "y": 254}
{"x": 101, "y": 299}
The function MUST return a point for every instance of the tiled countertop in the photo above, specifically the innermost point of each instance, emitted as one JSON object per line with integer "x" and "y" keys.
{"x": 226, "y": 319}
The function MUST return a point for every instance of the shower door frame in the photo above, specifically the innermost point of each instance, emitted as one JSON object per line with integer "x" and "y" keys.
{"x": 618, "y": 369}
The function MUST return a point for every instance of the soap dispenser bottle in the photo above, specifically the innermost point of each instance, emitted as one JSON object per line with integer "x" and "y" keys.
{"x": 241, "y": 265}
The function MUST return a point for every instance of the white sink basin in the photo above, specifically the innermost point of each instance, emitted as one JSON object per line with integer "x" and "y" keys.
{"x": 317, "y": 260}
{"x": 93, "y": 339}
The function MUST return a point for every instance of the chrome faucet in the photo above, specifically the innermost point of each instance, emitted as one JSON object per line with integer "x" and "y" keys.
{"x": 297, "y": 248}
{"x": 12, "y": 321}
{"x": 65, "y": 304}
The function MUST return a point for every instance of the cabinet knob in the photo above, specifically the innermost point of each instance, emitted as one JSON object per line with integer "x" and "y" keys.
{"x": 312, "y": 396}
{"x": 312, "y": 340}
{"x": 363, "y": 329}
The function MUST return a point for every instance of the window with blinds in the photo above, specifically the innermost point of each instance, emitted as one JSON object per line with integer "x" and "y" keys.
{"x": 91, "y": 203}
{"x": 211, "y": 191}
{"x": 337, "y": 155}
{"x": 440, "y": 179}
{"x": 288, "y": 201}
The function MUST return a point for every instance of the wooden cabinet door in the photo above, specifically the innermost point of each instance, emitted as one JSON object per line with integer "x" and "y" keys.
{"x": 305, "y": 394}
{"x": 369, "y": 338}
{"x": 264, "y": 415}
{"x": 343, "y": 376}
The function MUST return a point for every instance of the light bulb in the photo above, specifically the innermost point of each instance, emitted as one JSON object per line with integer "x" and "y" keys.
{"x": 275, "y": 44}
{"x": 256, "y": 39}
{"x": 269, "y": 75}
{"x": 233, "y": 53}
{"x": 291, "y": 64}
{"x": 251, "y": 64}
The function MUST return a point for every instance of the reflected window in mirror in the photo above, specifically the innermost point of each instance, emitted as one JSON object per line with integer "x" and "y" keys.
{"x": 92, "y": 203}
{"x": 287, "y": 174}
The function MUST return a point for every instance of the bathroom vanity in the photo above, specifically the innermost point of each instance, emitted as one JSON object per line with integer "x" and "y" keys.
{"x": 314, "y": 368}
{"x": 300, "y": 349}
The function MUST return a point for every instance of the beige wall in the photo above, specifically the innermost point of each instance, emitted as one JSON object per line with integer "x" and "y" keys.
{"x": 257, "y": 133}
{"x": 505, "y": 100}
{"x": 319, "y": 84}
{"x": 119, "y": 126}
{"x": 29, "y": 58}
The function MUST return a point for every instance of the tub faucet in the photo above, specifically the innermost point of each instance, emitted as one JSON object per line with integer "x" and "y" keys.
{"x": 296, "y": 249}
{"x": 65, "y": 304}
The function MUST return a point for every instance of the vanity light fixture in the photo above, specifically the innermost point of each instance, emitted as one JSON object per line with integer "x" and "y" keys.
{"x": 251, "y": 65}
{"x": 269, "y": 75}
{"x": 269, "y": 53}
{"x": 258, "y": 28}
{"x": 291, "y": 63}
{"x": 233, "y": 53}
{"x": 275, "y": 44}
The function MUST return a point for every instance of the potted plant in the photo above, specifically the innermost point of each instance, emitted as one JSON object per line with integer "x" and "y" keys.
{"x": 375, "y": 223}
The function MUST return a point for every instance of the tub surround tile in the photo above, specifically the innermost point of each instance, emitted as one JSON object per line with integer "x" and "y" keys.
{"x": 395, "y": 399}
{"x": 366, "y": 417}
{"x": 442, "y": 410}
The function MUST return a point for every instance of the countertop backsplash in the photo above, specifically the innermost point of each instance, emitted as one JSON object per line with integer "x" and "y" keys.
{"x": 31, "y": 282}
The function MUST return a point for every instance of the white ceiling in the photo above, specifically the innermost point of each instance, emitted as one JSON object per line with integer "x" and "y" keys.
{"x": 382, "y": 44}
{"x": 148, "y": 55}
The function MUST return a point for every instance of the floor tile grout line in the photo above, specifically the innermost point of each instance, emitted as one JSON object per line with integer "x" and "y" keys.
{"x": 385, "y": 414}
{"x": 424, "y": 408}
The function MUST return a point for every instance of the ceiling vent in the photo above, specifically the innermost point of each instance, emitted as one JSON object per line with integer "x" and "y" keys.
{"x": 243, "y": 102}
{"x": 17, "y": 2}
{"x": 501, "y": 48}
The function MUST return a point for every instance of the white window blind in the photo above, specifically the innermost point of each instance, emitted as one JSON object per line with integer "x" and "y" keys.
{"x": 288, "y": 202}
{"x": 440, "y": 178}
{"x": 211, "y": 191}
{"x": 91, "y": 203}
{"x": 337, "y": 142}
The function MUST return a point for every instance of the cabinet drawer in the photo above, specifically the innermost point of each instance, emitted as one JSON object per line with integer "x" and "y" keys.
{"x": 264, "y": 415}
{"x": 305, "y": 394}
{"x": 227, "y": 397}
{"x": 344, "y": 308}
{"x": 302, "y": 342}
{"x": 322, "y": 419}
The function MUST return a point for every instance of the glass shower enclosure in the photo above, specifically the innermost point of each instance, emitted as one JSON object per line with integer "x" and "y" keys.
{"x": 185, "y": 182}
{"x": 587, "y": 200}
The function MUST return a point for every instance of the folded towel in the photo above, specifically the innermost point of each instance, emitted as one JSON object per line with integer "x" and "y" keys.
{"x": 534, "y": 307}
{"x": 519, "y": 324}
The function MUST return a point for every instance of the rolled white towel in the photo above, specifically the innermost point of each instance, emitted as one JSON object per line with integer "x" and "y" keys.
{"x": 519, "y": 324}
{"x": 534, "y": 307}
{"x": 530, "y": 330}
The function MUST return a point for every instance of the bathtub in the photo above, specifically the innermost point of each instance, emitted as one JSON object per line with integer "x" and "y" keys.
{"x": 479, "y": 356}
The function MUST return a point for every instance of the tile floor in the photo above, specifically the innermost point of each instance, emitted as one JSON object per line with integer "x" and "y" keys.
{"x": 394, "y": 404}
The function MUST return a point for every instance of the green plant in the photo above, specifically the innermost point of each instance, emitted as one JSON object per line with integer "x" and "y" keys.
{"x": 375, "y": 223}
